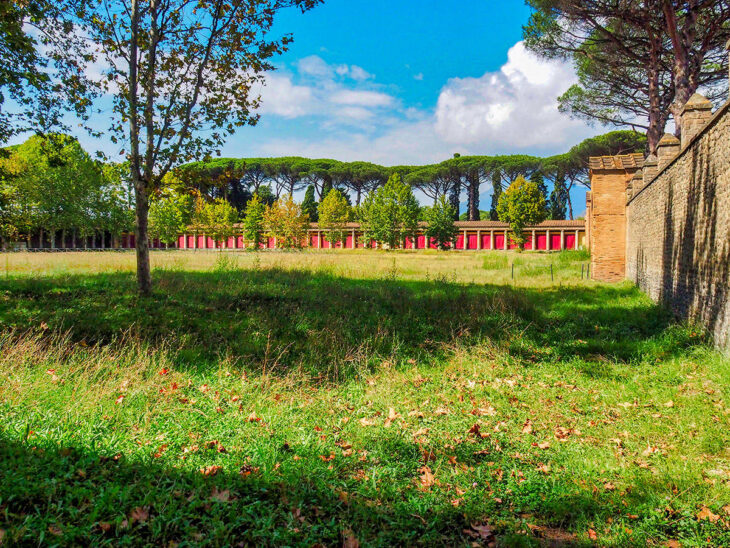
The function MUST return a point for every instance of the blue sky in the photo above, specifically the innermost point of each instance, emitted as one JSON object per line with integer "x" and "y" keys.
{"x": 410, "y": 82}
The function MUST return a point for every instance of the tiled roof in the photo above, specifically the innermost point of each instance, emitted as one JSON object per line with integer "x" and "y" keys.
{"x": 469, "y": 225}
{"x": 624, "y": 161}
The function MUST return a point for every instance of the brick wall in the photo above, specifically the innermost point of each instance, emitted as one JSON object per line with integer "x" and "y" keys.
{"x": 678, "y": 231}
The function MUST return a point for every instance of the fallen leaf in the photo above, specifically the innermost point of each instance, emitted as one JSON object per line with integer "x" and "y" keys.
{"x": 441, "y": 411}
{"x": 592, "y": 534}
{"x": 120, "y": 399}
{"x": 367, "y": 422}
{"x": 220, "y": 496}
{"x": 164, "y": 371}
{"x": 484, "y": 411}
{"x": 608, "y": 486}
{"x": 427, "y": 478}
{"x": 349, "y": 540}
{"x": 326, "y": 458}
{"x": 672, "y": 544}
{"x": 527, "y": 427}
{"x": 544, "y": 445}
{"x": 416, "y": 413}
{"x": 55, "y": 530}
{"x": 140, "y": 514}
{"x": 484, "y": 531}
{"x": 211, "y": 470}
{"x": 707, "y": 514}
{"x": 669, "y": 404}
{"x": 105, "y": 526}
{"x": 253, "y": 418}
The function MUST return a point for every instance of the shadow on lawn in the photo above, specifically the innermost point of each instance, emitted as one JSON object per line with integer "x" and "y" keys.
{"x": 333, "y": 327}
{"x": 77, "y": 496}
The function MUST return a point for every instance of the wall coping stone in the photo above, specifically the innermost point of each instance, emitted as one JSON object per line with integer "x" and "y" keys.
{"x": 715, "y": 117}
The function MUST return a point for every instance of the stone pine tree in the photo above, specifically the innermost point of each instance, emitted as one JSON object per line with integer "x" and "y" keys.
{"x": 496, "y": 193}
{"x": 390, "y": 214}
{"x": 559, "y": 197}
{"x": 253, "y": 221}
{"x": 309, "y": 204}
{"x": 181, "y": 75}
{"x": 522, "y": 204}
{"x": 440, "y": 225}
{"x": 334, "y": 212}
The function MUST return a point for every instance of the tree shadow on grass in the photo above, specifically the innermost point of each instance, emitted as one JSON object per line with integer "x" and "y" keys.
{"x": 333, "y": 327}
{"x": 81, "y": 496}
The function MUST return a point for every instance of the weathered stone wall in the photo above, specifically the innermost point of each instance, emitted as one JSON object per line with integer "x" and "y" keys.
{"x": 678, "y": 231}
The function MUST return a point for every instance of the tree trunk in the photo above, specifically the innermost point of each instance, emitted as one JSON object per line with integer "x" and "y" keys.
{"x": 73, "y": 238}
{"x": 40, "y": 239}
{"x": 474, "y": 197}
{"x": 63, "y": 238}
{"x": 144, "y": 278}
{"x": 53, "y": 238}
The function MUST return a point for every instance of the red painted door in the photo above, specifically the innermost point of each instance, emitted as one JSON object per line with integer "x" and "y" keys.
{"x": 421, "y": 242}
{"x": 555, "y": 242}
{"x": 460, "y": 241}
{"x": 542, "y": 241}
{"x": 486, "y": 241}
{"x": 325, "y": 243}
{"x": 231, "y": 243}
{"x": 349, "y": 243}
{"x": 211, "y": 243}
{"x": 409, "y": 243}
{"x": 528, "y": 241}
{"x": 472, "y": 241}
{"x": 240, "y": 243}
{"x": 271, "y": 243}
{"x": 512, "y": 244}
{"x": 499, "y": 241}
{"x": 181, "y": 241}
{"x": 191, "y": 241}
{"x": 570, "y": 242}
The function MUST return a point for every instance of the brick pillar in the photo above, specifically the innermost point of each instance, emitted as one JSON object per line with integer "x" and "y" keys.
{"x": 667, "y": 150}
{"x": 607, "y": 215}
{"x": 650, "y": 170}
{"x": 696, "y": 113}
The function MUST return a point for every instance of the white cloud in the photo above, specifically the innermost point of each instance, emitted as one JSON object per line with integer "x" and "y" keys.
{"x": 359, "y": 73}
{"x": 510, "y": 110}
{"x": 418, "y": 76}
{"x": 515, "y": 106}
{"x": 362, "y": 98}
{"x": 283, "y": 98}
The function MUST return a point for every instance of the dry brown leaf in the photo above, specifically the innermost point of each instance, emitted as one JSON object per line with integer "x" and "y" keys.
{"x": 592, "y": 534}
{"x": 527, "y": 427}
{"x": 707, "y": 514}
{"x": 426, "y": 477}
{"x": 367, "y": 422}
{"x": 211, "y": 470}
{"x": 544, "y": 445}
{"x": 55, "y": 530}
{"x": 140, "y": 514}
{"x": 349, "y": 540}
{"x": 220, "y": 496}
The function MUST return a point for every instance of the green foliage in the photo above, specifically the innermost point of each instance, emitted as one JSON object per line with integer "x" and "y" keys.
{"x": 217, "y": 219}
{"x": 440, "y": 223}
{"x": 390, "y": 214}
{"x": 334, "y": 213}
{"x": 309, "y": 205}
{"x": 286, "y": 222}
{"x": 522, "y": 204}
{"x": 253, "y": 222}
{"x": 170, "y": 214}
{"x": 559, "y": 198}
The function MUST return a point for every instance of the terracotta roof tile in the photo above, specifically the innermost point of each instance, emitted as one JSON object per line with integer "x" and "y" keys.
{"x": 624, "y": 161}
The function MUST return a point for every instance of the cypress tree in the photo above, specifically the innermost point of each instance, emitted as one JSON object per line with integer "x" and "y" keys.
{"x": 309, "y": 205}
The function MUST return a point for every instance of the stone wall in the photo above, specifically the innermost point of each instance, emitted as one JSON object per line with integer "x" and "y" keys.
{"x": 678, "y": 229}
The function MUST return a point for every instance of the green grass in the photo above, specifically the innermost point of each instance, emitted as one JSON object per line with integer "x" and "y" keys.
{"x": 297, "y": 399}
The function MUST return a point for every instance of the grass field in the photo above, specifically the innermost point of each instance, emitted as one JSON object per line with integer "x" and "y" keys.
{"x": 337, "y": 398}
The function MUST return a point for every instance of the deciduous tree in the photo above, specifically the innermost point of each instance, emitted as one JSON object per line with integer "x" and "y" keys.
{"x": 181, "y": 73}
{"x": 390, "y": 213}
{"x": 253, "y": 221}
{"x": 440, "y": 223}
{"x": 285, "y": 221}
{"x": 522, "y": 204}
{"x": 334, "y": 213}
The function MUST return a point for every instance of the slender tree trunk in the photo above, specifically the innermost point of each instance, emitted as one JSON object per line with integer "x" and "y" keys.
{"x": 63, "y": 238}
{"x": 73, "y": 238}
{"x": 144, "y": 278}
{"x": 53, "y": 238}
{"x": 474, "y": 197}
{"x": 40, "y": 239}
